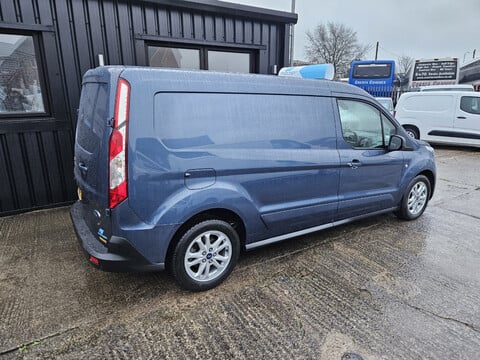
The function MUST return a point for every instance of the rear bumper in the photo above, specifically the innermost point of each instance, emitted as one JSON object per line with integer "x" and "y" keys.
{"x": 117, "y": 256}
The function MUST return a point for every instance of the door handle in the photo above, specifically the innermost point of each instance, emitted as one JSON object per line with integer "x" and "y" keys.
{"x": 461, "y": 117}
{"x": 82, "y": 166}
{"x": 354, "y": 163}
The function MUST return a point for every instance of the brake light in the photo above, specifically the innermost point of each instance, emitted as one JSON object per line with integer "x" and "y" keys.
{"x": 94, "y": 260}
{"x": 117, "y": 154}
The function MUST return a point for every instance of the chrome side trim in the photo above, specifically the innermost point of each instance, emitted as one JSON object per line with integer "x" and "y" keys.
{"x": 314, "y": 229}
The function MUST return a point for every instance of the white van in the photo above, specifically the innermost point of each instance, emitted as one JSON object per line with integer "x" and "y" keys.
{"x": 448, "y": 117}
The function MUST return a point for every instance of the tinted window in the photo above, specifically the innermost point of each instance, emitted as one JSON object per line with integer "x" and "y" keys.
{"x": 470, "y": 104}
{"x": 243, "y": 120}
{"x": 372, "y": 71}
{"x": 20, "y": 90}
{"x": 362, "y": 125}
{"x": 92, "y": 115}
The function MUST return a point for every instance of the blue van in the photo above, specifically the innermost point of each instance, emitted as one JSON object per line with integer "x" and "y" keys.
{"x": 185, "y": 169}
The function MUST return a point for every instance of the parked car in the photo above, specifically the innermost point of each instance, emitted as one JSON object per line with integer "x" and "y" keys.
{"x": 183, "y": 169}
{"x": 446, "y": 117}
{"x": 387, "y": 103}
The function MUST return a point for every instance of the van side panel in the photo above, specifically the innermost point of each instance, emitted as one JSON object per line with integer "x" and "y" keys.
{"x": 272, "y": 159}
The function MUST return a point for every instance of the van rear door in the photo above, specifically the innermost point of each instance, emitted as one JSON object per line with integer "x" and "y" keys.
{"x": 91, "y": 145}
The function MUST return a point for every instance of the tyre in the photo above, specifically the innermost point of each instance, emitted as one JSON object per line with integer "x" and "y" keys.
{"x": 412, "y": 132}
{"x": 415, "y": 199}
{"x": 205, "y": 255}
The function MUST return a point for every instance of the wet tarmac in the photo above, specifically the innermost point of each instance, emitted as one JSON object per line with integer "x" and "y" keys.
{"x": 381, "y": 288}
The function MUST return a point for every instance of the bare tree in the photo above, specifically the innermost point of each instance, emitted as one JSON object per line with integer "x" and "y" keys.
{"x": 336, "y": 44}
{"x": 404, "y": 64}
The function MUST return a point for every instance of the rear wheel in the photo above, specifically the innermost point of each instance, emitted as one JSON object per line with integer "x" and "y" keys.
{"x": 205, "y": 255}
{"x": 412, "y": 132}
{"x": 415, "y": 199}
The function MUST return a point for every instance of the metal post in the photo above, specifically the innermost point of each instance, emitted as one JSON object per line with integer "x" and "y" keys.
{"x": 292, "y": 38}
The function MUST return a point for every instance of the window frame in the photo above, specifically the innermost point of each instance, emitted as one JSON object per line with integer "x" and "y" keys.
{"x": 40, "y": 63}
{"x": 203, "y": 52}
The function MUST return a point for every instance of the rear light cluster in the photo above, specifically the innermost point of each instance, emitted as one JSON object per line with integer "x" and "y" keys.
{"x": 117, "y": 172}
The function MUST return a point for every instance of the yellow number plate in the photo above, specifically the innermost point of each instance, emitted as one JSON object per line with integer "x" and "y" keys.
{"x": 79, "y": 193}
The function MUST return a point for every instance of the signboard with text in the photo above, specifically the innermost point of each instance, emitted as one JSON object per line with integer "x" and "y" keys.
{"x": 435, "y": 72}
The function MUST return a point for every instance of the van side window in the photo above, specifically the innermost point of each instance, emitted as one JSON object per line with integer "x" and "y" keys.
{"x": 363, "y": 125}
{"x": 470, "y": 104}
{"x": 388, "y": 130}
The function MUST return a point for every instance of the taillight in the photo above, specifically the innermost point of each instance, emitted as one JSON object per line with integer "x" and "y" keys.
{"x": 117, "y": 169}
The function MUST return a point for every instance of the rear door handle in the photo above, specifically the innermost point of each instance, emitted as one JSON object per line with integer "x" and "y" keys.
{"x": 461, "y": 117}
{"x": 354, "y": 164}
{"x": 82, "y": 167}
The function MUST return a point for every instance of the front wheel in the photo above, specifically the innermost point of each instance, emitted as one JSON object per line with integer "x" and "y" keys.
{"x": 205, "y": 255}
{"x": 416, "y": 198}
{"x": 412, "y": 132}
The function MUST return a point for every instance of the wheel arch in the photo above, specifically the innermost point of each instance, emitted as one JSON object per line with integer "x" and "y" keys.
{"x": 431, "y": 178}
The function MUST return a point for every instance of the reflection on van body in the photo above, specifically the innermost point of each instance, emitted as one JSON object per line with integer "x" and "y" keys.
{"x": 196, "y": 166}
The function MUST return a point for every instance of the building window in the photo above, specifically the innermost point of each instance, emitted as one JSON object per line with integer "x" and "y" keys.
{"x": 160, "y": 56}
{"x": 200, "y": 58}
{"x": 20, "y": 86}
{"x": 229, "y": 61}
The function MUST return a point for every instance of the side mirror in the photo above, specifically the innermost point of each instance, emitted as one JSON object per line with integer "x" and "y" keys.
{"x": 396, "y": 143}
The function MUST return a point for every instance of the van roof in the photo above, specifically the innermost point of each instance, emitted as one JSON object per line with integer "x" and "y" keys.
{"x": 447, "y": 87}
{"x": 442, "y": 92}
{"x": 203, "y": 80}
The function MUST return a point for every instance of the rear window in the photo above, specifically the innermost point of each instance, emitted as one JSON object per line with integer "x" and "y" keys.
{"x": 185, "y": 120}
{"x": 92, "y": 115}
{"x": 436, "y": 103}
{"x": 372, "y": 71}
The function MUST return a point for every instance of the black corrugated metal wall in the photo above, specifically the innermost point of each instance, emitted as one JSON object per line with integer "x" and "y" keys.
{"x": 36, "y": 155}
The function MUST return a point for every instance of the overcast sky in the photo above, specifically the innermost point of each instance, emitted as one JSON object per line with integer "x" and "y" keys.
{"x": 417, "y": 28}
